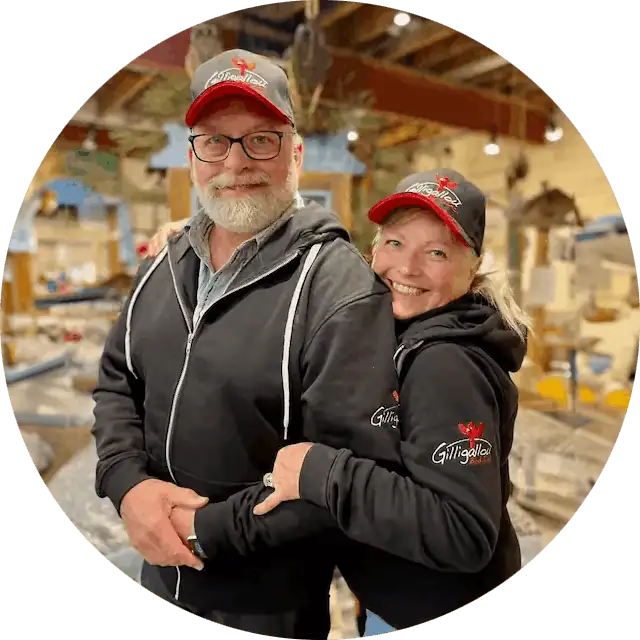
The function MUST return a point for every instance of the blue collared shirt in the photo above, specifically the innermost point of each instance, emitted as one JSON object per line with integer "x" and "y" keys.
{"x": 212, "y": 284}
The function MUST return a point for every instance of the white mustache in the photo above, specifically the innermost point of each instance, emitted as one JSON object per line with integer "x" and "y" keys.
{"x": 226, "y": 181}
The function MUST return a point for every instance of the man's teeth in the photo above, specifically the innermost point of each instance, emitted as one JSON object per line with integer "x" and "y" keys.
{"x": 403, "y": 288}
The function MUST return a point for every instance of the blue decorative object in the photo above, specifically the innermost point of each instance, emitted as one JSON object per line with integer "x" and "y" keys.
{"x": 72, "y": 192}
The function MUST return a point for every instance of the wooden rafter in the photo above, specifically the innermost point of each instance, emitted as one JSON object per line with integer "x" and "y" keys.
{"x": 362, "y": 26}
{"x": 121, "y": 90}
{"x": 448, "y": 48}
{"x": 402, "y": 91}
{"x": 404, "y": 133}
{"x": 426, "y": 35}
{"x": 338, "y": 11}
{"x": 478, "y": 67}
{"x": 279, "y": 11}
{"x": 471, "y": 54}
{"x": 411, "y": 94}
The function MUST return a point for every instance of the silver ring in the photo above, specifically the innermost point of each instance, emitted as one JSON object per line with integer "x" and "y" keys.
{"x": 267, "y": 480}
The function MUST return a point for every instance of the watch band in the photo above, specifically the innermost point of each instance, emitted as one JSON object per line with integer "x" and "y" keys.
{"x": 196, "y": 547}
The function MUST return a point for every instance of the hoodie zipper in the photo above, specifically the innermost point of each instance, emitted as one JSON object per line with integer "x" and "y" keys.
{"x": 192, "y": 334}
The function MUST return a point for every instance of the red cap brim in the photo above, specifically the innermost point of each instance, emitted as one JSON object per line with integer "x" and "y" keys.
{"x": 379, "y": 212}
{"x": 224, "y": 90}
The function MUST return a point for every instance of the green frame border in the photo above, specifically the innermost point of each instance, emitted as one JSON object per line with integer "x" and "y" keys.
{"x": 578, "y": 52}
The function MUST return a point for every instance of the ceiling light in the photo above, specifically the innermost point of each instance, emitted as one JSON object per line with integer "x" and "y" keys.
{"x": 553, "y": 133}
{"x": 401, "y": 19}
{"x": 89, "y": 143}
{"x": 353, "y": 135}
{"x": 492, "y": 148}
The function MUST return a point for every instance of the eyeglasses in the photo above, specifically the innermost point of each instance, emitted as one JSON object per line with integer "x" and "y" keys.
{"x": 260, "y": 145}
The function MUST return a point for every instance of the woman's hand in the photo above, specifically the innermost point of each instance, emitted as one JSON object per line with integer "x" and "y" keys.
{"x": 285, "y": 477}
{"x": 162, "y": 235}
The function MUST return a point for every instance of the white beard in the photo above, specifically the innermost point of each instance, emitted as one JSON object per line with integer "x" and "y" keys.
{"x": 248, "y": 214}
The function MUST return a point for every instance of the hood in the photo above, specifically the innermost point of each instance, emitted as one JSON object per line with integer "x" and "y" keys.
{"x": 310, "y": 224}
{"x": 294, "y": 232}
{"x": 469, "y": 319}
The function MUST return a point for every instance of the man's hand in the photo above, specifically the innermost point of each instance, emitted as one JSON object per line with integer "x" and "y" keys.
{"x": 162, "y": 235}
{"x": 285, "y": 477}
{"x": 146, "y": 511}
{"x": 183, "y": 521}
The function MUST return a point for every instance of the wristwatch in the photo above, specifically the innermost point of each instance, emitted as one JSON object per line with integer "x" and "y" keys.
{"x": 195, "y": 547}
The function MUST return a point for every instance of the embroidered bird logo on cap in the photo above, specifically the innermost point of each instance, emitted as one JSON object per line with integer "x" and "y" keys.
{"x": 243, "y": 65}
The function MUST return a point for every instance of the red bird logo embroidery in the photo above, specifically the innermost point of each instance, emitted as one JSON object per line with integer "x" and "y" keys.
{"x": 243, "y": 65}
{"x": 445, "y": 183}
{"x": 472, "y": 431}
{"x": 396, "y": 396}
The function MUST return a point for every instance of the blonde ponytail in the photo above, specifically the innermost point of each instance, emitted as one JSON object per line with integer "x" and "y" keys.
{"x": 497, "y": 292}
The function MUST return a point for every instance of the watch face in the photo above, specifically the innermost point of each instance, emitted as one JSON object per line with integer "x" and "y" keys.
{"x": 195, "y": 548}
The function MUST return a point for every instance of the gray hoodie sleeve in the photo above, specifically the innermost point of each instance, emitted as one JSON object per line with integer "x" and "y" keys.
{"x": 347, "y": 375}
{"x": 444, "y": 512}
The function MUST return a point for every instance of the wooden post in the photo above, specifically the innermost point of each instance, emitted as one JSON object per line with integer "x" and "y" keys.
{"x": 113, "y": 247}
{"x": 22, "y": 283}
{"x": 179, "y": 193}
{"x": 538, "y": 351}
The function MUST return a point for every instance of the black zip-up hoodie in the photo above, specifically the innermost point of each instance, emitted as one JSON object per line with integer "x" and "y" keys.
{"x": 435, "y": 535}
{"x": 272, "y": 362}
{"x": 438, "y": 535}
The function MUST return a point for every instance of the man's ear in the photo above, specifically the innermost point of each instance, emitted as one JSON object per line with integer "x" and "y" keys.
{"x": 298, "y": 154}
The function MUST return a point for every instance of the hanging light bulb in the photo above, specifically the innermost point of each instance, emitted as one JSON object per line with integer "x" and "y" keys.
{"x": 492, "y": 148}
{"x": 89, "y": 143}
{"x": 352, "y": 135}
{"x": 401, "y": 19}
{"x": 553, "y": 133}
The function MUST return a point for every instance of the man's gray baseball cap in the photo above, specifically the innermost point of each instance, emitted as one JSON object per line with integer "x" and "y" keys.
{"x": 240, "y": 73}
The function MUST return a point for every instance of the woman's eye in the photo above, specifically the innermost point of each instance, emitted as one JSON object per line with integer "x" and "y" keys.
{"x": 393, "y": 243}
{"x": 437, "y": 253}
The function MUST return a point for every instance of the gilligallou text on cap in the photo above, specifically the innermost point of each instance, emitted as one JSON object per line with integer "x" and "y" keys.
{"x": 240, "y": 73}
{"x": 456, "y": 201}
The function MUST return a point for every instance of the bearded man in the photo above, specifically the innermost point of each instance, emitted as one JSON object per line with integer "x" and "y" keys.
{"x": 257, "y": 326}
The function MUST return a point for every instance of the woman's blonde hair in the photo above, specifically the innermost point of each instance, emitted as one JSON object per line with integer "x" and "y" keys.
{"x": 493, "y": 286}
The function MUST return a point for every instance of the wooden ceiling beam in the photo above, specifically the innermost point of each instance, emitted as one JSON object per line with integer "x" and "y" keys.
{"x": 121, "y": 90}
{"x": 446, "y": 50}
{"x": 278, "y": 12}
{"x": 469, "y": 55}
{"x": 405, "y": 92}
{"x": 477, "y": 68}
{"x": 361, "y": 26}
{"x": 236, "y": 22}
{"x": 405, "y": 133}
{"x": 400, "y": 91}
{"x": 493, "y": 77}
{"x": 426, "y": 35}
{"x": 338, "y": 11}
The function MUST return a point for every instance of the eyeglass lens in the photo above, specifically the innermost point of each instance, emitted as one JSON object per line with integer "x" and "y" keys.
{"x": 261, "y": 145}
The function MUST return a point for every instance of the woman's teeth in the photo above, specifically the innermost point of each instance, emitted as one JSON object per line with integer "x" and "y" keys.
{"x": 403, "y": 288}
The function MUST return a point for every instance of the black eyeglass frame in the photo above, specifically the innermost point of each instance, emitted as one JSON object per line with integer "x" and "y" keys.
{"x": 240, "y": 141}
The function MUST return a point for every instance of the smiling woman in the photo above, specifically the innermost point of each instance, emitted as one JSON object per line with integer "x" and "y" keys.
{"x": 422, "y": 262}
{"x": 438, "y": 535}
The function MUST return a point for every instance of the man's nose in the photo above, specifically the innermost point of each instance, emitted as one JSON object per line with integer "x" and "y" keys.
{"x": 237, "y": 160}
